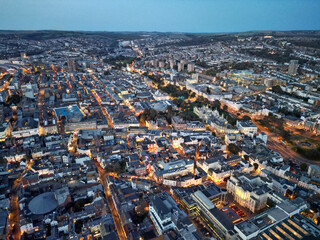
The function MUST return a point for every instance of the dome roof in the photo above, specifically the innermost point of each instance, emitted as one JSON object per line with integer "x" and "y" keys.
{"x": 43, "y": 203}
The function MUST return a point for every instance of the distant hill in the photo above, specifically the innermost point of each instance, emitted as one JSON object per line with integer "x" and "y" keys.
{"x": 51, "y": 34}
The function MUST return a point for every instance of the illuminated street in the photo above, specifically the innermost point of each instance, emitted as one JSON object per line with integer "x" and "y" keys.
{"x": 14, "y": 215}
{"x": 115, "y": 214}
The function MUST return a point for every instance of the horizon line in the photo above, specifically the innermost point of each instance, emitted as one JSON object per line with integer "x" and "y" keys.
{"x": 164, "y": 32}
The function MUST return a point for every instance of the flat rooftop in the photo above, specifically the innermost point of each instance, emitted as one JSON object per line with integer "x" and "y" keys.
{"x": 69, "y": 112}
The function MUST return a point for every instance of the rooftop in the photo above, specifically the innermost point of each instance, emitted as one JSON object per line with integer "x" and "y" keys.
{"x": 69, "y": 112}
{"x": 43, "y": 203}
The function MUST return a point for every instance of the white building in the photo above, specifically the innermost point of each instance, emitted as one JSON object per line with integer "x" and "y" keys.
{"x": 249, "y": 191}
{"x": 247, "y": 127}
{"x": 166, "y": 215}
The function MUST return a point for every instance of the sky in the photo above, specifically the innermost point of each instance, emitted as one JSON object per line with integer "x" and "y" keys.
{"x": 160, "y": 15}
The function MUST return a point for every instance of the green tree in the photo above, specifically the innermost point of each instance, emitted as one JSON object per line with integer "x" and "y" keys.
{"x": 255, "y": 166}
{"x": 178, "y": 101}
{"x": 234, "y": 149}
{"x": 303, "y": 167}
{"x": 2, "y": 160}
{"x": 169, "y": 114}
{"x": 246, "y": 118}
{"x": 277, "y": 89}
{"x": 216, "y": 104}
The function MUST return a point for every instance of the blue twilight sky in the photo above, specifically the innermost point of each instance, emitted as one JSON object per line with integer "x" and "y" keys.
{"x": 160, "y": 15}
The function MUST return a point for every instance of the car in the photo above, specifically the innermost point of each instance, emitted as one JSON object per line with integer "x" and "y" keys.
{"x": 224, "y": 209}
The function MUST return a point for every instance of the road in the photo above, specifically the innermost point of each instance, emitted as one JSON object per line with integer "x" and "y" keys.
{"x": 14, "y": 215}
{"x": 274, "y": 143}
{"x": 285, "y": 151}
{"x": 288, "y": 153}
{"x": 115, "y": 214}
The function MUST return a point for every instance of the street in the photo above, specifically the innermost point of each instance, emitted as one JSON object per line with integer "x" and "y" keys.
{"x": 115, "y": 214}
{"x": 14, "y": 215}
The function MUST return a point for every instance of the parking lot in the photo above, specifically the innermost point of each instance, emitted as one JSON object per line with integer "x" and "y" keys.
{"x": 241, "y": 211}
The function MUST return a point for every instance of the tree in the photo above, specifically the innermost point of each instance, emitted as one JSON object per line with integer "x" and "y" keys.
{"x": 169, "y": 114}
{"x": 277, "y": 89}
{"x": 117, "y": 167}
{"x": 153, "y": 114}
{"x": 296, "y": 112}
{"x": 283, "y": 133}
{"x": 234, "y": 149}
{"x": 2, "y": 160}
{"x": 178, "y": 102}
{"x": 148, "y": 114}
{"x": 303, "y": 167}
{"x": 255, "y": 166}
{"x": 312, "y": 154}
{"x": 246, "y": 118}
{"x": 16, "y": 98}
{"x": 78, "y": 226}
{"x": 216, "y": 104}
{"x": 225, "y": 108}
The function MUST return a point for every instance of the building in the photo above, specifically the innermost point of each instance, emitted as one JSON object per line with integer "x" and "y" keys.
{"x": 139, "y": 168}
{"x": 164, "y": 170}
{"x": 216, "y": 220}
{"x": 293, "y": 67}
{"x": 71, "y": 65}
{"x": 160, "y": 213}
{"x": 280, "y": 222}
{"x": 69, "y": 97}
{"x": 160, "y": 96}
{"x": 249, "y": 191}
{"x": 178, "y": 123}
{"x": 23, "y": 55}
{"x": 30, "y": 178}
{"x": 195, "y": 126}
{"x": 180, "y": 67}
{"x": 247, "y": 127}
{"x": 161, "y": 64}
{"x": 166, "y": 215}
{"x": 25, "y": 127}
{"x": 62, "y": 196}
{"x": 172, "y": 63}
{"x": 314, "y": 171}
{"x": 190, "y": 67}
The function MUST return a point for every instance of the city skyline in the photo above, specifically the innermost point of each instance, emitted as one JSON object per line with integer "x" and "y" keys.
{"x": 165, "y": 16}
{"x": 168, "y": 119}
